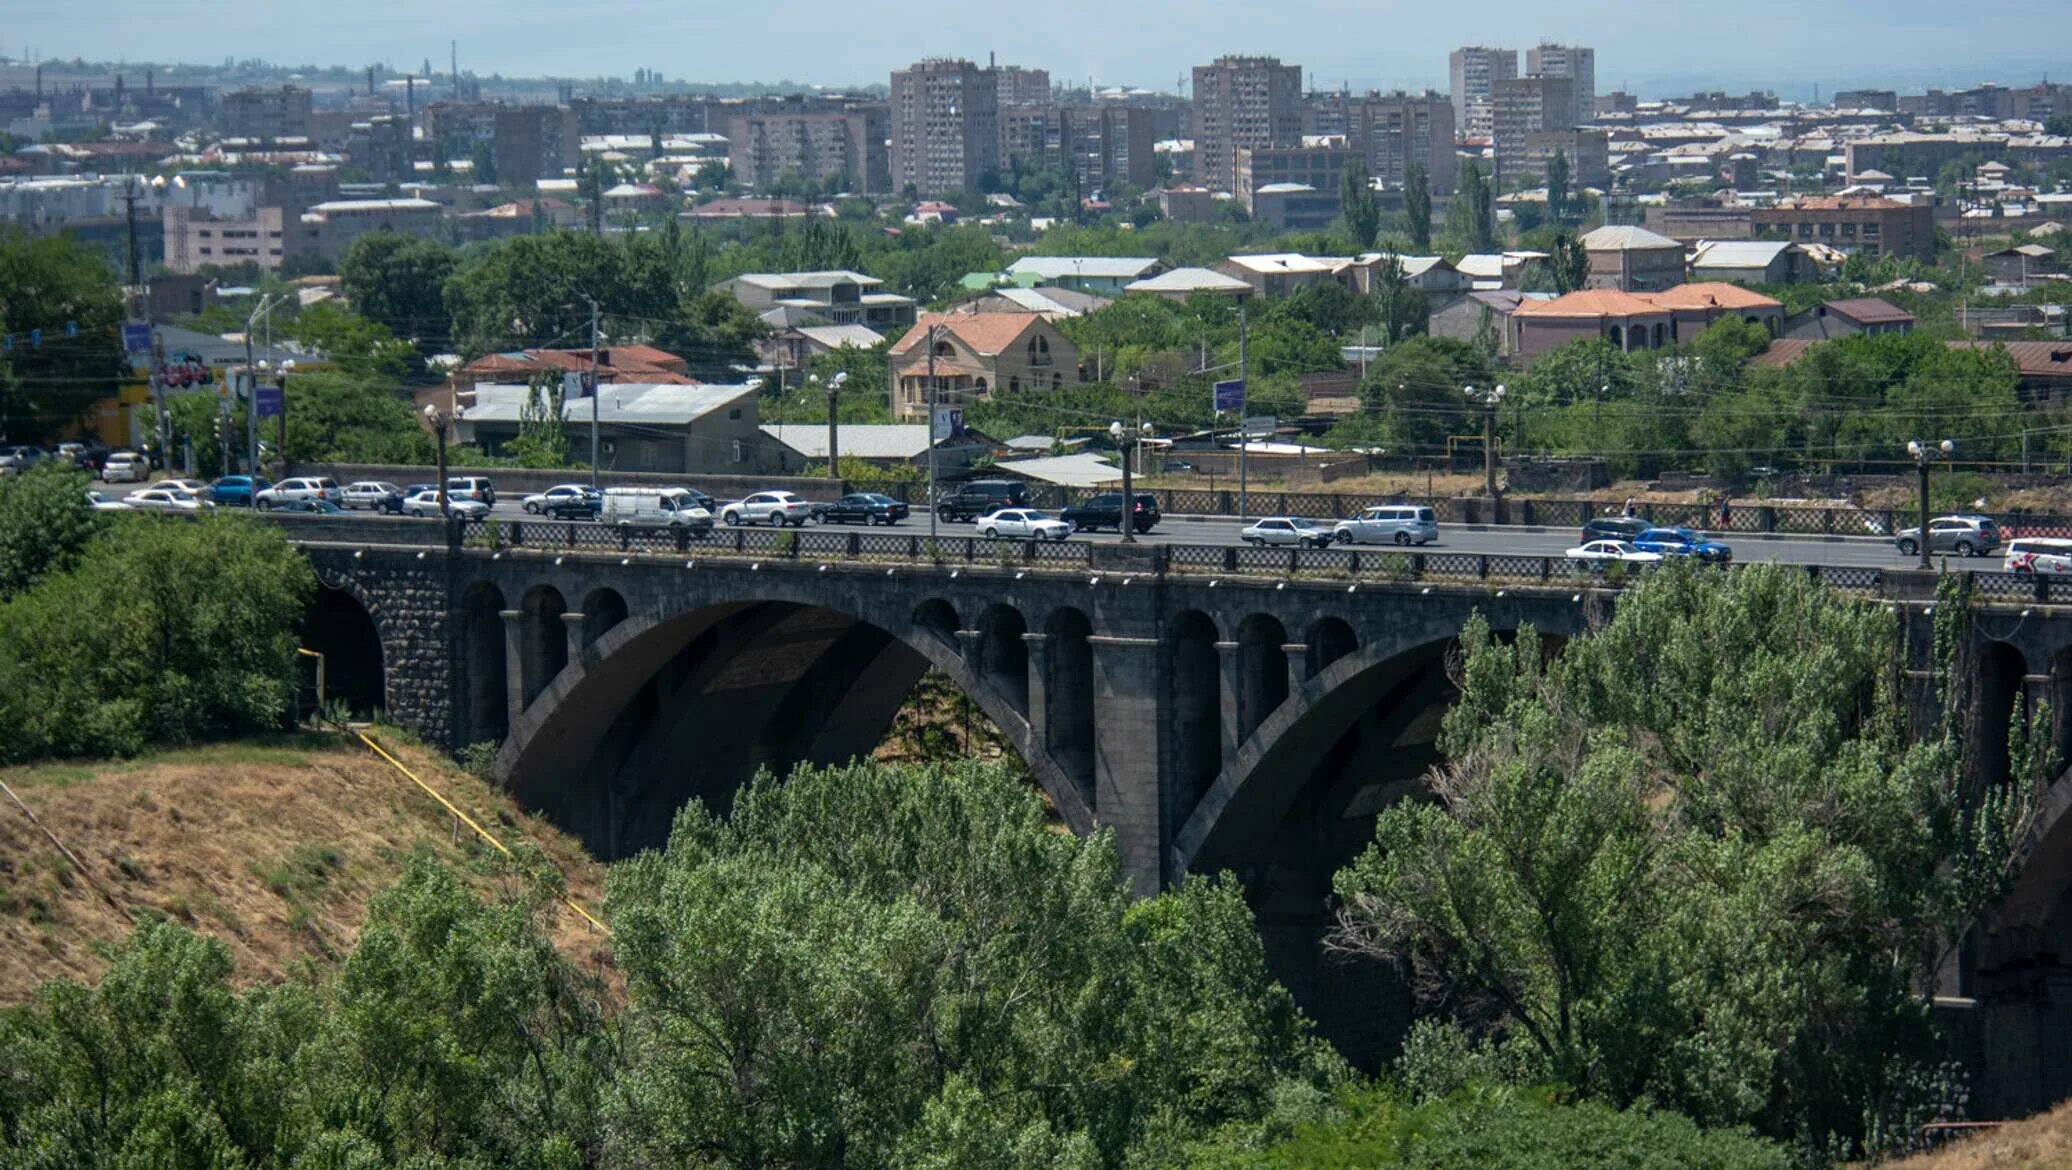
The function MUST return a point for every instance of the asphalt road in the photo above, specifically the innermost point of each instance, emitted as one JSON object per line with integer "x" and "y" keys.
{"x": 1860, "y": 552}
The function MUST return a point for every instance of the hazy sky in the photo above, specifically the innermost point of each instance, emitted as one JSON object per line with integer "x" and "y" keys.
{"x": 1789, "y": 45}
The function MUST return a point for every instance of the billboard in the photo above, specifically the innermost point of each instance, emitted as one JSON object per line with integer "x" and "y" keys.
{"x": 1230, "y": 396}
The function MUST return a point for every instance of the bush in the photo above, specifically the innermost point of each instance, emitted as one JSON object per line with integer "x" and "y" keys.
{"x": 166, "y": 631}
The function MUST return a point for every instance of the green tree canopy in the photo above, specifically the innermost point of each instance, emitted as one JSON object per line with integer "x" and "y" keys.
{"x": 399, "y": 282}
{"x": 60, "y": 308}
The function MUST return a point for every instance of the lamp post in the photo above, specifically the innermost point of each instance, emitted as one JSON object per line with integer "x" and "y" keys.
{"x": 437, "y": 418}
{"x": 1127, "y": 442}
{"x": 834, "y": 394}
{"x": 1490, "y": 400}
{"x": 1924, "y": 454}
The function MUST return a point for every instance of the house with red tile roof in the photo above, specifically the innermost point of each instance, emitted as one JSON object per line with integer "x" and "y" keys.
{"x": 1633, "y": 321}
{"x": 615, "y": 364}
{"x": 976, "y": 354}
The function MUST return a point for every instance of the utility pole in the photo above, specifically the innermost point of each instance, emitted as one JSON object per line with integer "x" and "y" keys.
{"x": 1244, "y": 429}
{"x": 595, "y": 391}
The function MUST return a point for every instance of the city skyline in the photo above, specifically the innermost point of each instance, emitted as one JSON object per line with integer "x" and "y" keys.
{"x": 1906, "y": 43}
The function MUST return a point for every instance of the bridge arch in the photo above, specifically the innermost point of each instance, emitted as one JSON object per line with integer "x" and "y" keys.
{"x": 341, "y": 624}
{"x": 1068, "y": 690}
{"x": 1194, "y": 728}
{"x": 484, "y": 699}
{"x": 543, "y": 639}
{"x": 1262, "y": 671}
{"x": 683, "y": 700}
{"x": 603, "y": 608}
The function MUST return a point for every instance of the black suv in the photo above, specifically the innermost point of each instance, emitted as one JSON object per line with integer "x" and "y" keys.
{"x": 1613, "y": 528}
{"x": 981, "y": 496}
{"x": 1105, "y": 511}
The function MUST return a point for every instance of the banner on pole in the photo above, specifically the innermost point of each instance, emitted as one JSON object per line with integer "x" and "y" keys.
{"x": 1230, "y": 396}
{"x": 267, "y": 401}
{"x": 136, "y": 338}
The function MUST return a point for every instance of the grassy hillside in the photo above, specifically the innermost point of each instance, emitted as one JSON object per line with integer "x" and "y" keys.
{"x": 272, "y": 845}
{"x": 2042, "y": 1142}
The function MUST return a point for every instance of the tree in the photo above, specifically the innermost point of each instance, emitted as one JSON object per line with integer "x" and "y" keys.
{"x": 1357, "y": 203}
{"x": 45, "y": 524}
{"x": 399, "y": 282}
{"x": 352, "y": 343}
{"x": 1417, "y": 206}
{"x": 1403, "y": 308}
{"x": 2059, "y": 126}
{"x": 1557, "y": 187}
{"x": 1416, "y": 388}
{"x": 1469, "y": 217}
{"x": 60, "y": 307}
{"x": 1695, "y": 859}
{"x": 482, "y": 162}
{"x": 1568, "y": 263}
{"x": 542, "y": 424}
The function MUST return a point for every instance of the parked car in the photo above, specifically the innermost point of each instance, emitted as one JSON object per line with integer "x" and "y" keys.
{"x": 102, "y": 502}
{"x": 15, "y": 460}
{"x": 235, "y": 491}
{"x": 426, "y": 503}
{"x": 773, "y": 508}
{"x": 90, "y": 457}
{"x": 1626, "y": 528}
{"x": 1611, "y": 550}
{"x": 372, "y": 494}
{"x": 2039, "y": 554}
{"x": 982, "y": 496}
{"x": 538, "y": 502}
{"x": 1966, "y": 536}
{"x": 1403, "y": 524}
{"x": 864, "y": 508}
{"x": 157, "y": 499}
{"x": 125, "y": 467}
{"x": 1105, "y": 511}
{"x": 315, "y": 504}
{"x": 1287, "y": 530}
{"x": 1682, "y": 542}
{"x": 669, "y": 507}
{"x": 298, "y": 489}
{"x": 395, "y": 507}
{"x": 186, "y": 485}
{"x": 473, "y": 487}
{"x": 1022, "y": 524}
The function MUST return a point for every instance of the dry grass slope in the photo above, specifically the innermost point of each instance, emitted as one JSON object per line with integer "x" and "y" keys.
{"x": 273, "y": 846}
{"x": 2042, "y": 1142}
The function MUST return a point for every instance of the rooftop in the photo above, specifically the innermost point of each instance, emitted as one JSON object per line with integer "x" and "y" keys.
{"x": 863, "y": 440}
{"x": 1187, "y": 280}
{"x": 1082, "y": 470}
{"x": 985, "y": 333}
{"x": 1097, "y": 267}
{"x": 1625, "y": 237}
{"x": 1870, "y": 311}
{"x": 643, "y": 403}
{"x": 1596, "y": 302}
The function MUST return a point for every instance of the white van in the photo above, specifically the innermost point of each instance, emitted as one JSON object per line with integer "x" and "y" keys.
{"x": 671, "y": 507}
{"x": 2039, "y": 554}
{"x": 1389, "y": 524}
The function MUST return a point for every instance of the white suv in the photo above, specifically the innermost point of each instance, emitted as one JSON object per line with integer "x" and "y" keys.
{"x": 296, "y": 491}
{"x": 1389, "y": 524}
{"x": 773, "y": 508}
{"x": 125, "y": 467}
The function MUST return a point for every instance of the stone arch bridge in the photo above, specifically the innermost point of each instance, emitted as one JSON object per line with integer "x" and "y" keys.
{"x": 1247, "y": 720}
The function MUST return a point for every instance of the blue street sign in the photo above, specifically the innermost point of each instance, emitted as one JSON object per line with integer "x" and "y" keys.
{"x": 136, "y": 339}
{"x": 1230, "y": 396}
{"x": 266, "y": 401}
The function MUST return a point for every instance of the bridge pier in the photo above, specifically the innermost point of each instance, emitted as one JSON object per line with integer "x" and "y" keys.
{"x": 1236, "y": 721}
{"x": 515, "y": 693}
{"x": 574, "y": 625}
{"x": 1128, "y": 756}
{"x": 1037, "y": 648}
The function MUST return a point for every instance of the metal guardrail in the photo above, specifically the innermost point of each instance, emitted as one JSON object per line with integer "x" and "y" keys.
{"x": 862, "y": 546}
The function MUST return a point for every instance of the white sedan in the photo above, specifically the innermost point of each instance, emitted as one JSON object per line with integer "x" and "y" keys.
{"x": 561, "y": 493}
{"x": 191, "y": 486}
{"x": 426, "y": 503}
{"x": 100, "y": 502}
{"x": 1022, "y": 523}
{"x": 158, "y": 499}
{"x": 1287, "y": 530}
{"x": 1602, "y": 551}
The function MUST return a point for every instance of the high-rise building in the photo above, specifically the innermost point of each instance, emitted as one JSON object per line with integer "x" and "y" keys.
{"x": 525, "y": 143}
{"x": 1473, "y": 69}
{"x": 1521, "y": 107}
{"x": 1101, "y": 146}
{"x": 281, "y": 112}
{"x": 945, "y": 126}
{"x": 813, "y": 138}
{"x": 1392, "y": 131}
{"x": 1576, "y": 63}
{"x": 1243, "y": 101}
{"x": 1017, "y": 85}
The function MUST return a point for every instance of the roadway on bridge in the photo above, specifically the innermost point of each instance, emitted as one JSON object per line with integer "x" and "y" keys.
{"x": 1856, "y": 552}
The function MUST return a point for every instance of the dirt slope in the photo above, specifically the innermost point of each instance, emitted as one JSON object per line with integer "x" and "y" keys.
{"x": 2042, "y": 1142}
{"x": 273, "y": 846}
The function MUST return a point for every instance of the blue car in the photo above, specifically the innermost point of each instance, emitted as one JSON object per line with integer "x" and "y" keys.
{"x": 1682, "y": 542}
{"x": 236, "y": 491}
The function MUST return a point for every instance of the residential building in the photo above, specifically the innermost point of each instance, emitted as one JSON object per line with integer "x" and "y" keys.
{"x": 1187, "y": 203}
{"x": 1866, "y": 99}
{"x": 1635, "y": 321}
{"x": 328, "y": 229}
{"x": 1102, "y": 275}
{"x": 524, "y": 143}
{"x": 1576, "y": 63}
{"x": 1393, "y": 131}
{"x": 1048, "y": 301}
{"x": 381, "y": 146}
{"x": 815, "y": 141}
{"x": 267, "y": 113}
{"x": 1038, "y": 137}
{"x": 1473, "y": 70}
{"x": 792, "y": 348}
{"x": 1848, "y": 318}
{"x": 195, "y": 239}
{"x": 671, "y": 114}
{"x": 1243, "y": 102}
{"x": 1296, "y": 207}
{"x": 1522, "y": 107}
{"x": 1485, "y": 311}
{"x": 1429, "y": 273}
{"x": 2020, "y": 265}
{"x": 640, "y": 364}
{"x": 1181, "y": 283}
{"x": 1318, "y": 168}
{"x": 1750, "y": 262}
{"x": 1852, "y": 223}
{"x": 521, "y": 217}
{"x": 837, "y": 297}
{"x": 945, "y": 126}
{"x": 1277, "y": 274}
{"x": 1017, "y": 85}
{"x": 974, "y": 354}
{"x": 1633, "y": 259}
{"x": 704, "y": 429}
{"x": 1588, "y": 153}
{"x": 1109, "y": 146}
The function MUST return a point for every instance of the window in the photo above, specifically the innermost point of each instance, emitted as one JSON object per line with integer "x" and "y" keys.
{"x": 734, "y": 413}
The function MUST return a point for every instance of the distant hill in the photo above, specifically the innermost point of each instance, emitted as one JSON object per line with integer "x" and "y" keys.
{"x": 272, "y": 846}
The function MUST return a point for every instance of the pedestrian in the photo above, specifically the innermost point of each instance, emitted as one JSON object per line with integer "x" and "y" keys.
{"x": 1726, "y": 514}
{"x": 1628, "y": 513}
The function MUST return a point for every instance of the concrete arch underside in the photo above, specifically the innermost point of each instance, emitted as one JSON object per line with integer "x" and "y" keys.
{"x": 672, "y": 705}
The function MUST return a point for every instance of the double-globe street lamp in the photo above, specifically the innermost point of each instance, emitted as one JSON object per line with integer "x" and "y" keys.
{"x": 1490, "y": 400}
{"x": 1924, "y": 454}
{"x": 1127, "y": 442}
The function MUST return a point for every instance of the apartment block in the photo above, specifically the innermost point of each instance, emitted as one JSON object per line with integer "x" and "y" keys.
{"x": 1473, "y": 69}
{"x": 1103, "y": 146}
{"x": 945, "y": 126}
{"x": 195, "y": 239}
{"x": 1319, "y": 168}
{"x": 1243, "y": 102}
{"x": 1392, "y": 131}
{"x": 813, "y": 141}
{"x": 1588, "y": 153}
{"x": 526, "y": 143}
{"x": 1576, "y": 63}
{"x": 1016, "y": 85}
{"x": 270, "y": 112}
{"x": 328, "y": 229}
{"x": 1866, "y": 99}
{"x": 674, "y": 114}
{"x": 381, "y": 146}
{"x": 1524, "y": 106}
{"x": 1852, "y": 223}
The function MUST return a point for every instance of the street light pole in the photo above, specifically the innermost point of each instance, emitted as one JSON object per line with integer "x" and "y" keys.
{"x": 1924, "y": 454}
{"x": 1490, "y": 399}
{"x": 933, "y": 503}
{"x": 1127, "y": 443}
{"x": 1244, "y": 430}
{"x": 437, "y": 418}
{"x": 594, "y": 392}
{"x": 834, "y": 452}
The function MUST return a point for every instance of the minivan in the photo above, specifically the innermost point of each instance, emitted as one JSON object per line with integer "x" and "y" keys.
{"x": 473, "y": 487}
{"x": 1389, "y": 524}
{"x": 2039, "y": 554}
{"x": 671, "y": 507}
